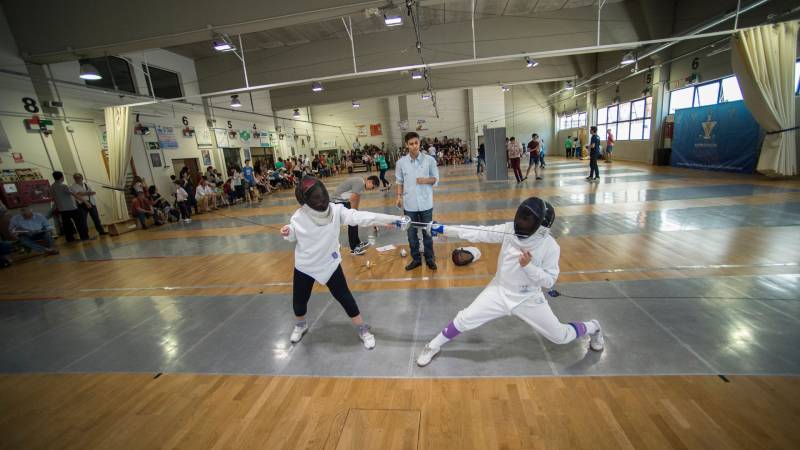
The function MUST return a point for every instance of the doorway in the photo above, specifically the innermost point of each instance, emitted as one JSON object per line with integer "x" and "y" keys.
{"x": 265, "y": 156}
{"x": 232, "y": 158}
{"x": 192, "y": 164}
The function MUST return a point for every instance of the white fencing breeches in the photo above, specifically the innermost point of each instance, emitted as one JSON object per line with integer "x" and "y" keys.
{"x": 489, "y": 305}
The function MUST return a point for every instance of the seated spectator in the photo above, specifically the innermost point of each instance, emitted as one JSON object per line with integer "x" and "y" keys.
{"x": 182, "y": 201}
{"x": 141, "y": 207}
{"x": 30, "y": 228}
{"x": 202, "y": 197}
{"x": 162, "y": 206}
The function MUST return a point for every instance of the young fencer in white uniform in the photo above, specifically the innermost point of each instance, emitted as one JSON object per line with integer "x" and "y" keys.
{"x": 315, "y": 227}
{"x": 527, "y": 263}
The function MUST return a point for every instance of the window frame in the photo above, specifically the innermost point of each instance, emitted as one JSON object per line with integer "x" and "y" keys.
{"x": 615, "y": 124}
{"x": 720, "y": 92}
{"x": 103, "y": 65}
{"x": 572, "y": 121}
{"x": 148, "y": 81}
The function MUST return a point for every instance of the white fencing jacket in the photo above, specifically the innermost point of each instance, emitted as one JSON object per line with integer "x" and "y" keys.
{"x": 517, "y": 284}
{"x": 317, "y": 251}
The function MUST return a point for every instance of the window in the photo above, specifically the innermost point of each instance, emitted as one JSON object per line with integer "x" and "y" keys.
{"x": 730, "y": 90}
{"x": 707, "y": 94}
{"x": 116, "y": 73}
{"x": 797, "y": 77}
{"x": 167, "y": 83}
{"x": 711, "y": 93}
{"x": 682, "y": 98}
{"x": 628, "y": 120}
{"x": 575, "y": 120}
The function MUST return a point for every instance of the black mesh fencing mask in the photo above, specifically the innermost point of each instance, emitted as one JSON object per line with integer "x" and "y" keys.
{"x": 310, "y": 191}
{"x": 529, "y": 217}
{"x": 465, "y": 255}
{"x": 549, "y": 215}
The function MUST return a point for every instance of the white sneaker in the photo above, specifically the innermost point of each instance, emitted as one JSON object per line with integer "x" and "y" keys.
{"x": 596, "y": 341}
{"x": 298, "y": 332}
{"x": 427, "y": 355}
{"x": 360, "y": 250}
{"x": 187, "y": 221}
{"x": 368, "y": 339}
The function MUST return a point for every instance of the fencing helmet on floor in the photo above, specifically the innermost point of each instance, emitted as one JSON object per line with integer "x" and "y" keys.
{"x": 310, "y": 191}
{"x": 532, "y": 213}
{"x": 465, "y": 255}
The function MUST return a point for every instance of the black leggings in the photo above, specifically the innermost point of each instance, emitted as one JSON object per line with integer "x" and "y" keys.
{"x": 384, "y": 181}
{"x": 337, "y": 284}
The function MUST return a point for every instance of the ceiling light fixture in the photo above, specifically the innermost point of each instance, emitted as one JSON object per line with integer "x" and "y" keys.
{"x": 316, "y": 86}
{"x": 392, "y": 20}
{"x": 89, "y": 72}
{"x": 531, "y": 62}
{"x": 222, "y": 43}
{"x": 296, "y": 114}
{"x": 235, "y": 103}
{"x": 569, "y": 86}
{"x": 505, "y": 88}
{"x": 425, "y": 96}
{"x": 356, "y": 104}
{"x": 416, "y": 75}
{"x": 629, "y": 58}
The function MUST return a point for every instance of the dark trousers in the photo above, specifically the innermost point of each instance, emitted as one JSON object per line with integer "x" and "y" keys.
{"x": 541, "y": 159}
{"x": 517, "y": 170}
{"x": 337, "y": 284}
{"x": 384, "y": 181}
{"x": 352, "y": 231}
{"x": 71, "y": 221}
{"x": 593, "y": 169}
{"x": 186, "y": 212}
{"x": 98, "y": 225}
{"x": 413, "y": 236}
{"x": 31, "y": 241}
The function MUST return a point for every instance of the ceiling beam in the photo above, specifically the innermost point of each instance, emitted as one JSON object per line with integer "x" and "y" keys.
{"x": 70, "y": 29}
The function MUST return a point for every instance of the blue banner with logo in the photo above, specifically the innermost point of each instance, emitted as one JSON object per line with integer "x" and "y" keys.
{"x": 722, "y": 137}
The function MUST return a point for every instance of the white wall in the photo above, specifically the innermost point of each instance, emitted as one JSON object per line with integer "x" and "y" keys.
{"x": 527, "y": 112}
{"x": 451, "y": 121}
{"x": 371, "y": 111}
{"x": 488, "y": 109}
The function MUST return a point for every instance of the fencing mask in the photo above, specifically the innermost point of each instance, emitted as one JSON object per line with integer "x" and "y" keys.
{"x": 531, "y": 214}
{"x": 465, "y": 255}
{"x": 310, "y": 191}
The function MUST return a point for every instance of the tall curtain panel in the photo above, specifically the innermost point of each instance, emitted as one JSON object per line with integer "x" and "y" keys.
{"x": 763, "y": 60}
{"x": 119, "y": 132}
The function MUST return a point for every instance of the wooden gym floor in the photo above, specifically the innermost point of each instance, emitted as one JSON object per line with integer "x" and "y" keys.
{"x": 178, "y": 337}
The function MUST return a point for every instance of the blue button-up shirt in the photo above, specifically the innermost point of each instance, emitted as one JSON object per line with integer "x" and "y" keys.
{"x": 35, "y": 224}
{"x": 417, "y": 197}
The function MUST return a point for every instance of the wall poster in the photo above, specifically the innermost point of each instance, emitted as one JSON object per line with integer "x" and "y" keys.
{"x": 166, "y": 137}
{"x": 203, "y": 137}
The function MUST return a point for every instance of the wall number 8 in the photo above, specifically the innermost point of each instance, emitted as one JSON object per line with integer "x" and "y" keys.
{"x": 30, "y": 105}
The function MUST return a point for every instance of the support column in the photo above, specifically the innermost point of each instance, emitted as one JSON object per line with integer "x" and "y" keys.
{"x": 660, "y": 93}
{"x": 65, "y": 156}
{"x": 469, "y": 121}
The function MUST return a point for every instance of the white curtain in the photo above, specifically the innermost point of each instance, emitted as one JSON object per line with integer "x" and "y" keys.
{"x": 763, "y": 60}
{"x": 119, "y": 132}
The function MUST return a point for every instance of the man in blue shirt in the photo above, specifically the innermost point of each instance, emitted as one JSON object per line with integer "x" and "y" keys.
{"x": 30, "y": 227}
{"x": 417, "y": 174}
{"x": 594, "y": 153}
